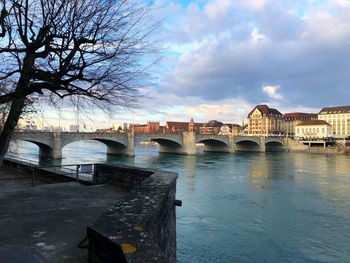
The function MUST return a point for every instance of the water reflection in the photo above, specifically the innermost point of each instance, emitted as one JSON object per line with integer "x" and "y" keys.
{"x": 288, "y": 207}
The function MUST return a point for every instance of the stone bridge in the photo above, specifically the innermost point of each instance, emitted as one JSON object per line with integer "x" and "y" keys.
{"x": 52, "y": 143}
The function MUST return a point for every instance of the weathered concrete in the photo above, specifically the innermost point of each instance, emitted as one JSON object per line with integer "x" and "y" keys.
{"x": 51, "y": 219}
{"x": 142, "y": 226}
{"x": 48, "y": 221}
{"x": 16, "y": 254}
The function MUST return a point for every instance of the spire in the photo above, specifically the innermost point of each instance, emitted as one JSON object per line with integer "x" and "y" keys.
{"x": 191, "y": 126}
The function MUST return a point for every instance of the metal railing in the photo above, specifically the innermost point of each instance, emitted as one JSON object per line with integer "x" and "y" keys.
{"x": 79, "y": 172}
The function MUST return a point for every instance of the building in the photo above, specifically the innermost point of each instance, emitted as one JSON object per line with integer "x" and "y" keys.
{"x": 225, "y": 130}
{"x": 313, "y": 129}
{"x": 178, "y": 126}
{"x": 74, "y": 128}
{"x": 212, "y": 127}
{"x": 236, "y": 129}
{"x": 339, "y": 118}
{"x": 150, "y": 127}
{"x": 265, "y": 121}
{"x": 294, "y": 118}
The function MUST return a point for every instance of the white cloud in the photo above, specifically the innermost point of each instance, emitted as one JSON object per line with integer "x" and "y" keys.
{"x": 242, "y": 45}
{"x": 272, "y": 92}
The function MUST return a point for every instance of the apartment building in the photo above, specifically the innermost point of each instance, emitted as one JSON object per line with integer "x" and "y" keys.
{"x": 313, "y": 129}
{"x": 265, "y": 121}
{"x": 339, "y": 118}
{"x": 294, "y": 118}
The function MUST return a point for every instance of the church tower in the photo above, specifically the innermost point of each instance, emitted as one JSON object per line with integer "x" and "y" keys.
{"x": 191, "y": 126}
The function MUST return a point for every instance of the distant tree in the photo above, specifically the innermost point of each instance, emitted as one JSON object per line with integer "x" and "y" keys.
{"x": 54, "y": 49}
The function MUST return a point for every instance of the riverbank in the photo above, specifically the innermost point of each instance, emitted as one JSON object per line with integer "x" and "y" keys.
{"x": 47, "y": 221}
{"x": 321, "y": 150}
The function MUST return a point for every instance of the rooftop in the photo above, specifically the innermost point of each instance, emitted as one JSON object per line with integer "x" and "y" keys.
{"x": 313, "y": 122}
{"x": 299, "y": 116}
{"x": 335, "y": 110}
{"x": 266, "y": 110}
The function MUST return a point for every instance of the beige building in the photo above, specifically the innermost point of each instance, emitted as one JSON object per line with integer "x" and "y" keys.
{"x": 294, "y": 118}
{"x": 313, "y": 129}
{"x": 339, "y": 118}
{"x": 225, "y": 130}
{"x": 265, "y": 121}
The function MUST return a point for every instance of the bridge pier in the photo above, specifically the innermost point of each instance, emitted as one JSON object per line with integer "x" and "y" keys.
{"x": 114, "y": 148}
{"x": 262, "y": 144}
{"x": 189, "y": 143}
{"x": 187, "y": 146}
{"x": 54, "y": 151}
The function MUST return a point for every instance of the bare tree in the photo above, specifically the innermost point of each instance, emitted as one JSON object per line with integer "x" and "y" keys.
{"x": 55, "y": 49}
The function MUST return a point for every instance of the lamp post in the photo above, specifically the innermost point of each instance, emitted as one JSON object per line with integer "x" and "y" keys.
{"x": 59, "y": 119}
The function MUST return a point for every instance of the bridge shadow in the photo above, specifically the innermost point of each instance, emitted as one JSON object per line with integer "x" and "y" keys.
{"x": 247, "y": 146}
{"x": 274, "y": 147}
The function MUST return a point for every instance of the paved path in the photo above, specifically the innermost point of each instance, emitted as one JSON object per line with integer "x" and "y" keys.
{"x": 50, "y": 220}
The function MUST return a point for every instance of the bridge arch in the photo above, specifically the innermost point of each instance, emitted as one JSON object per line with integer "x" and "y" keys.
{"x": 45, "y": 149}
{"x": 114, "y": 146}
{"x": 272, "y": 145}
{"x": 167, "y": 145}
{"x": 248, "y": 145}
{"x": 214, "y": 145}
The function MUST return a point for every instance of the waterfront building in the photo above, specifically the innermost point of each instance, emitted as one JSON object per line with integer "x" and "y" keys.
{"x": 339, "y": 118}
{"x": 150, "y": 127}
{"x": 178, "y": 126}
{"x": 230, "y": 129}
{"x": 225, "y": 130}
{"x": 212, "y": 127}
{"x": 236, "y": 129}
{"x": 294, "y": 118}
{"x": 265, "y": 121}
{"x": 313, "y": 129}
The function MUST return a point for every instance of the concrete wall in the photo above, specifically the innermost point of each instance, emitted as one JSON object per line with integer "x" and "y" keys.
{"x": 140, "y": 228}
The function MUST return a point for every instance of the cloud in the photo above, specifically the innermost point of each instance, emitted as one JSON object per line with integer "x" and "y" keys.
{"x": 229, "y": 50}
{"x": 271, "y": 91}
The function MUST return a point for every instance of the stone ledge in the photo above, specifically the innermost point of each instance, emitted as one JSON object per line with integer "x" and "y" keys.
{"x": 142, "y": 226}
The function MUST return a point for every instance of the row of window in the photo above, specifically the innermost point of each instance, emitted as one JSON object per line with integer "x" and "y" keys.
{"x": 304, "y": 130}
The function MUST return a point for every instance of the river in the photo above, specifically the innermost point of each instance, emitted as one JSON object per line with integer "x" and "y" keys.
{"x": 247, "y": 207}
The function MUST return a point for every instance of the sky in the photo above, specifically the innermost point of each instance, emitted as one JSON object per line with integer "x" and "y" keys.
{"x": 222, "y": 57}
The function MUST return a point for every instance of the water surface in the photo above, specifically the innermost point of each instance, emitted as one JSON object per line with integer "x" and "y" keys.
{"x": 247, "y": 207}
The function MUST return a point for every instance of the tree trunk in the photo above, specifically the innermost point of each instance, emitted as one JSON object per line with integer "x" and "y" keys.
{"x": 17, "y": 105}
{"x": 10, "y": 125}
